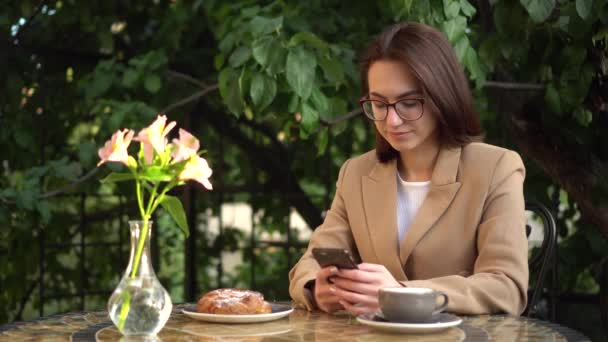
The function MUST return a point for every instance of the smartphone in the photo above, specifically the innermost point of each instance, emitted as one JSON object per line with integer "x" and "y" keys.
{"x": 339, "y": 257}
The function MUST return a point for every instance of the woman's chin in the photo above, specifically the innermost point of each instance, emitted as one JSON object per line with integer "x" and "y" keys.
{"x": 403, "y": 146}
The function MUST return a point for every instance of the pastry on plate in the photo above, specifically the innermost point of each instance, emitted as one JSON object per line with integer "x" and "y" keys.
{"x": 233, "y": 302}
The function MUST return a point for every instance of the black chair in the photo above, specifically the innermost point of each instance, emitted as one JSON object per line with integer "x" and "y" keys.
{"x": 540, "y": 263}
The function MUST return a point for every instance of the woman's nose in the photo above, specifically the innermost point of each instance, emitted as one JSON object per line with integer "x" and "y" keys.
{"x": 392, "y": 118}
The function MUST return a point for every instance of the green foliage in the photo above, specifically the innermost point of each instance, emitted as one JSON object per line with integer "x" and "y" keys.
{"x": 283, "y": 70}
{"x": 175, "y": 208}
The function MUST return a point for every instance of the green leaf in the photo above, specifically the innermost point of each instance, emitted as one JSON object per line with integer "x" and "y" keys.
{"x": 301, "y": 64}
{"x": 311, "y": 39}
{"x": 552, "y": 99}
{"x": 323, "y": 140}
{"x": 156, "y": 174}
{"x": 262, "y": 48}
{"x": 310, "y": 118}
{"x": 489, "y": 52}
{"x": 117, "y": 177}
{"x": 86, "y": 152}
{"x": 572, "y": 55}
{"x": 129, "y": 78}
{"x": 219, "y": 60}
{"x": 461, "y": 48}
{"x": 583, "y": 116}
{"x": 320, "y": 101}
{"x": 262, "y": 25}
{"x": 230, "y": 91}
{"x": 451, "y": 8}
{"x": 583, "y": 8}
{"x": 333, "y": 70}
{"x": 174, "y": 207}
{"x": 455, "y": 28}
{"x": 65, "y": 170}
{"x": 44, "y": 209}
{"x": 539, "y": 10}
{"x": 294, "y": 103}
{"x": 474, "y": 67}
{"x": 26, "y": 199}
{"x": 228, "y": 42}
{"x": 263, "y": 90}
{"x": 239, "y": 56}
{"x": 98, "y": 86}
{"x": 467, "y": 8}
{"x": 152, "y": 83}
{"x": 269, "y": 54}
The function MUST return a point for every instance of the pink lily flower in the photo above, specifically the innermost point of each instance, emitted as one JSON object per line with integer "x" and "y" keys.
{"x": 198, "y": 170}
{"x": 153, "y": 137}
{"x": 115, "y": 149}
{"x": 186, "y": 146}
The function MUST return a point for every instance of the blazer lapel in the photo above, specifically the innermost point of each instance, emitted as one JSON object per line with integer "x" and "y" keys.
{"x": 441, "y": 193}
{"x": 380, "y": 204}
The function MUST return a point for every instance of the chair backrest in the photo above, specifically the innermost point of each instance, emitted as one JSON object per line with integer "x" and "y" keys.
{"x": 540, "y": 263}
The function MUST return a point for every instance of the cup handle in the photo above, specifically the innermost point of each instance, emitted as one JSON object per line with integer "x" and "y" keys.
{"x": 445, "y": 302}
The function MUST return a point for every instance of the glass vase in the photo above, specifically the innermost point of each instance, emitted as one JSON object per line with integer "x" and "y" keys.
{"x": 140, "y": 305}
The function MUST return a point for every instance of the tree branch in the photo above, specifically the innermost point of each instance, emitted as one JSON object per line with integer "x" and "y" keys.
{"x": 70, "y": 185}
{"x": 485, "y": 12}
{"x": 187, "y": 78}
{"x": 24, "y": 299}
{"x": 60, "y": 190}
{"x": 353, "y": 113}
{"x": 575, "y": 171}
{"x": 190, "y": 98}
{"x": 28, "y": 21}
{"x": 514, "y": 86}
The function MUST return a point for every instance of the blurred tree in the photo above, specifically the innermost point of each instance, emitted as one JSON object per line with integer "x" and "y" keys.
{"x": 272, "y": 87}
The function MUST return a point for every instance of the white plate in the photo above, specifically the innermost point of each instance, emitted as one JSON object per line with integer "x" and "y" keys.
{"x": 443, "y": 322}
{"x": 278, "y": 311}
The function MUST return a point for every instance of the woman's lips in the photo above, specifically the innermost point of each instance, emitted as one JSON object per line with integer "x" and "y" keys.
{"x": 400, "y": 135}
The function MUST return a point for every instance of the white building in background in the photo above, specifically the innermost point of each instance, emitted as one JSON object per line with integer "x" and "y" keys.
{"x": 238, "y": 215}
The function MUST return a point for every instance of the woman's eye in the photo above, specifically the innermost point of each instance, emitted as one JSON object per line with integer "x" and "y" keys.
{"x": 408, "y": 103}
{"x": 379, "y": 105}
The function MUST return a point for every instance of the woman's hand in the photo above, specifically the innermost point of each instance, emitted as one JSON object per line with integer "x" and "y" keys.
{"x": 325, "y": 292}
{"x": 357, "y": 289}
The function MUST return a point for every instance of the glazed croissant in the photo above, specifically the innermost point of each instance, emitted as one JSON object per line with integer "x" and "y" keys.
{"x": 233, "y": 302}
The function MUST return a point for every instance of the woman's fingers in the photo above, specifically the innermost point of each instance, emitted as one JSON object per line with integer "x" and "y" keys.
{"x": 358, "y": 298}
{"x": 325, "y": 273}
{"x": 355, "y": 286}
{"x": 358, "y": 309}
{"x": 357, "y": 275}
{"x": 371, "y": 267}
{"x": 325, "y": 294}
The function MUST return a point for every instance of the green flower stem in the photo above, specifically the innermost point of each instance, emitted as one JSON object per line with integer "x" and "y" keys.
{"x": 140, "y": 200}
{"x": 160, "y": 197}
{"x": 124, "y": 310}
{"x": 151, "y": 201}
{"x": 140, "y": 246}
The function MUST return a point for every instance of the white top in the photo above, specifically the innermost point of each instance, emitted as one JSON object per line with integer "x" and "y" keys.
{"x": 410, "y": 196}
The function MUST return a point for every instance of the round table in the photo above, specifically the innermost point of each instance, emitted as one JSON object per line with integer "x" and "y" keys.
{"x": 300, "y": 325}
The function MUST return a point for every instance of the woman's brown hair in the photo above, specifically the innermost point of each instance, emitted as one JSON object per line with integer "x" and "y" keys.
{"x": 431, "y": 59}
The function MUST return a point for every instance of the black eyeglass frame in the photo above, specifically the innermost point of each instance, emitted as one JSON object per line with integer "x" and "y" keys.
{"x": 393, "y": 104}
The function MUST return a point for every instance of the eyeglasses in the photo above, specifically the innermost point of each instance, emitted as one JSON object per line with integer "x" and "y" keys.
{"x": 407, "y": 109}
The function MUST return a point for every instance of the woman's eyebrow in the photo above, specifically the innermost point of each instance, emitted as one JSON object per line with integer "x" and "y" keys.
{"x": 407, "y": 93}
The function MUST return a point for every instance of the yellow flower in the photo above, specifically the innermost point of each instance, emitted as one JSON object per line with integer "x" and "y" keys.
{"x": 153, "y": 137}
{"x": 185, "y": 147}
{"x": 198, "y": 170}
{"x": 115, "y": 149}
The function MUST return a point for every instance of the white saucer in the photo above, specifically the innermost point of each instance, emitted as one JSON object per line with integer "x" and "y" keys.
{"x": 443, "y": 322}
{"x": 278, "y": 311}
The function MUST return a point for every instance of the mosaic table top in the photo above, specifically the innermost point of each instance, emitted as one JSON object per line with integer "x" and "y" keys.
{"x": 300, "y": 325}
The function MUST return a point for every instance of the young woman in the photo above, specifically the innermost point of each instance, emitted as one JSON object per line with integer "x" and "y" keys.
{"x": 429, "y": 207}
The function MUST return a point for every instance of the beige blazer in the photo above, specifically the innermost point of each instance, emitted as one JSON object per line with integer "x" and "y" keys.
{"x": 467, "y": 239}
